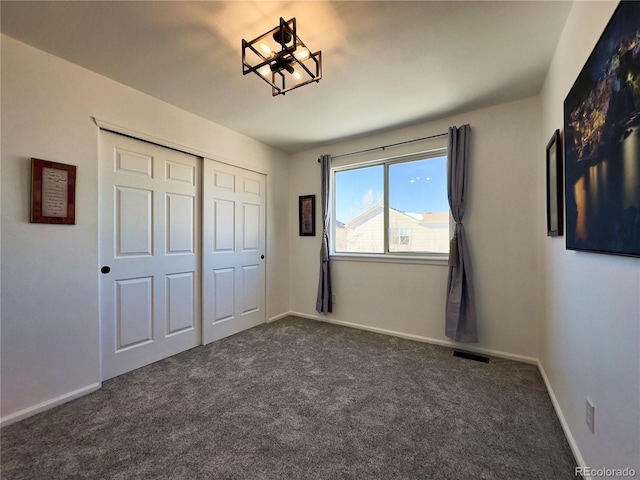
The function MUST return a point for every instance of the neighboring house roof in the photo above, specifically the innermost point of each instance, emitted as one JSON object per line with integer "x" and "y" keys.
{"x": 424, "y": 219}
{"x": 364, "y": 217}
{"x": 434, "y": 217}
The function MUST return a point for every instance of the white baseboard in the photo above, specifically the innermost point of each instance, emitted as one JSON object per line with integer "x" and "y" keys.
{"x": 565, "y": 426}
{"x": 466, "y": 347}
{"x": 278, "y": 317}
{"x": 46, "y": 405}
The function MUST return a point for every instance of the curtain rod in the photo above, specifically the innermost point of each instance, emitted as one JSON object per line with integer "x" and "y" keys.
{"x": 390, "y": 145}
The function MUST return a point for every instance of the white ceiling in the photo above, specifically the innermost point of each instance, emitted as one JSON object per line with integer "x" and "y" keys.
{"x": 386, "y": 64}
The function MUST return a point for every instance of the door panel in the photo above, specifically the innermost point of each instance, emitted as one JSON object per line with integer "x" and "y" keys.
{"x": 180, "y": 224}
{"x": 134, "y": 312}
{"x": 149, "y": 237}
{"x": 251, "y": 227}
{"x": 234, "y": 245}
{"x": 181, "y": 298}
{"x": 250, "y": 288}
{"x": 134, "y": 223}
{"x": 224, "y": 225}
{"x": 223, "y": 288}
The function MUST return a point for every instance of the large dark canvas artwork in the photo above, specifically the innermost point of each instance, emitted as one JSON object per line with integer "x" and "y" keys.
{"x": 602, "y": 142}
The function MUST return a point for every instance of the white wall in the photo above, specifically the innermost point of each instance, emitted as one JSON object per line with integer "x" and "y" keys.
{"x": 590, "y": 334}
{"x": 504, "y": 222}
{"x": 50, "y": 316}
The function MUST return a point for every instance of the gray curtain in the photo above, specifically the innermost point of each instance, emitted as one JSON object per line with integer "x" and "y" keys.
{"x": 460, "y": 308}
{"x": 323, "y": 301}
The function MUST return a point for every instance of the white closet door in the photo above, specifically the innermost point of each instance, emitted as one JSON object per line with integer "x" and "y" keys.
{"x": 234, "y": 245}
{"x": 149, "y": 252}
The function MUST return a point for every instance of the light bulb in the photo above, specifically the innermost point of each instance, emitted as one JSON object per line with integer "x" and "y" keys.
{"x": 265, "y": 71}
{"x": 302, "y": 54}
{"x": 265, "y": 49}
{"x": 297, "y": 75}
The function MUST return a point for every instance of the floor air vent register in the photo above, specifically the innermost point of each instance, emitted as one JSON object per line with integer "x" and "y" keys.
{"x": 470, "y": 356}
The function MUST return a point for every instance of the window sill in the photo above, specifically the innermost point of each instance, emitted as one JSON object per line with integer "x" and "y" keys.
{"x": 441, "y": 261}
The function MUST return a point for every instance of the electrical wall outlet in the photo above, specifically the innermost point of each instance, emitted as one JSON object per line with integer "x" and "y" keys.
{"x": 333, "y": 298}
{"x": 591, "y": 416}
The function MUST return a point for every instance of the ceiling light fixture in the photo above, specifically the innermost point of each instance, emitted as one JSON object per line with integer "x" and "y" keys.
{"x": 281, "y": 59}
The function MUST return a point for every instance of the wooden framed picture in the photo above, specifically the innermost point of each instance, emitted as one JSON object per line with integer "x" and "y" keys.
{"x": 554, "y": 186}
{"x": 307, "y": 215}
{"x": 53, "y": 192}
{"x": 602, "y": 142}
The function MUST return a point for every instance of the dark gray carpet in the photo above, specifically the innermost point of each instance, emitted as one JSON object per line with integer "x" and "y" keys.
{"x": 300, "y": 399}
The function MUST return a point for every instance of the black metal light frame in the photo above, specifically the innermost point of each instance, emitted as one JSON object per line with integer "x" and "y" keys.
{"x": 283, "y": 63}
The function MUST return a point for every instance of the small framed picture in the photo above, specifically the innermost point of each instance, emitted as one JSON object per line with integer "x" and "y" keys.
{"x": 53, "y": 192}
{"x": 307, "y": 215}
{"x": 554, "y": 186}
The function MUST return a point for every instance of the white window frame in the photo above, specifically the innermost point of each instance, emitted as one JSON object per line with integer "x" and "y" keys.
{"x": 432, "y": 258}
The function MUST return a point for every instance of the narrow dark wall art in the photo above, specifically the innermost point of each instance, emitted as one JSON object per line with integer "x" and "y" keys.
{"x": 602, "y": 142}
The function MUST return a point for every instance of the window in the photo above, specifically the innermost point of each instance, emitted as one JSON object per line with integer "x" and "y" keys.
{"x": 404, "y": 196}
{"x": 400, "y": 236}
